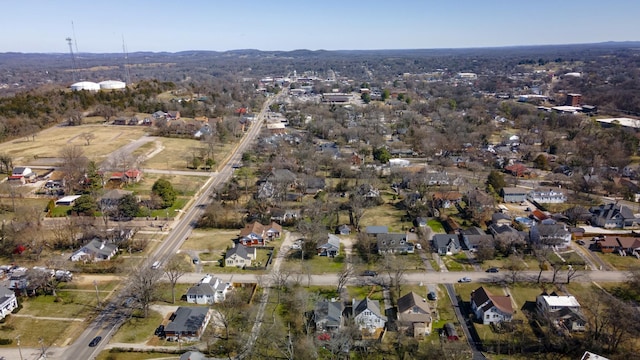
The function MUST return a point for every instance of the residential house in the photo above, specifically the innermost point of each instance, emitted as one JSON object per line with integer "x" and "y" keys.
{"x": 368, "y": 192}
{"x": 547, "y": 196}
{"x": 209, "y": 290}
{"x": 22, "y": 175}
{"x": 282, "y": 216}
{"x": 159, "y": 115}
{"x": 563, "y": 311}
{"x": 375, "y": 230}
{"x": 514, "y": 194}
{"x": 445, "y": 199}
{"x": 172, "y": 115}
{"x": 489, "y": 308}
{"x": 613, "y": 216}
{"x": 618, "y": 244}
{"x": 131, "y": 176}
{"x": 550, "y": 234}
{"x": 592, "y": 356}
{"x": 95, "y": 250}
{"x": 188, "y": 323}
{"x": 437, "y": 178}
{"x": 367, "y": 315}
{"x": 473, "y": 237}
{"x": 8, "y": 302}
{"x": 67, "y": 200}
{"x": 393, "y": 243}
{"x": 120, "y": 121}
{"x": 256, "y": 234}
{"x": 501, "y": 219}
{"x": 446, "y": 244}
{"x": 329, "y": 246}
{"x": 507, "y": 234}
{"x": 327, "y": 315}
{"x": 414, "y": 315}
{"x": 343, "y": 230}
{"x": 240, "y": 256}
{"x": 518, "y": 170}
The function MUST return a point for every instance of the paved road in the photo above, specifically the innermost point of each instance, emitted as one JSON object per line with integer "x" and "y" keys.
{"x": 432, "y": 277}
{"x": 110, "y": 320}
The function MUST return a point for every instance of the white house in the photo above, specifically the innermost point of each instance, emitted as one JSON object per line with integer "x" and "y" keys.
{"x": 209, "y": 290}
{"x": 8, "y": 302}
{"x": 95, "y": 250}
{"x": 547, "y": 196}
{"x": 550, "y": 234}
{"x": 563, "y": 311}
{"x": 490, "y": 308}
{"x": 367, "y": 315}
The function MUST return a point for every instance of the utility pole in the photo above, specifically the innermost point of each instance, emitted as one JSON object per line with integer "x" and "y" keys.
{"x": 95, "y": 283}
{"x": 41, "y": 342}
{"x": 19, "y": 348}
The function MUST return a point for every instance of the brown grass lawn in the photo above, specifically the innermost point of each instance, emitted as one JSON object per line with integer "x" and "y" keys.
{"x": 177, "y": 152}
{"x": 31, "y": 331}
{"x": 184, "y": 185}
{"x": 212, "y": 241}
{"x": 619, "y": 262}
{"x": 386, "y": 214}
{"x": 137, "y": 330}
{"x": 113, "y": 355}
{"x": 49, "y": 142}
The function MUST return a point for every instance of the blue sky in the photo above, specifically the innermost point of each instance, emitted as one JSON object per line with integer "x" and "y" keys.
{"x": 43, "y": 25}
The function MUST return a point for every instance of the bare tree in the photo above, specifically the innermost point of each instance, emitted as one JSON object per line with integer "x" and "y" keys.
{"x": 88, "y": 137}
{"x": 344, "y": 275}
{"x": 175, "y": 269}
{"x": 144, "y": 285}
{"x": 228, "y": 312}
{"x": 514, "y": 267}
{"x": 74, "y": 165}
{"x": 395, "y": 269}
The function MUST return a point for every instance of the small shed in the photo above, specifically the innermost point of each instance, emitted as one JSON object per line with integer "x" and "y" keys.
{"x": 449, "y": 330}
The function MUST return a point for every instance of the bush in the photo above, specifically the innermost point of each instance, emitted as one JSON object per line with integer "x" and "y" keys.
{"x": 6, "y": 341}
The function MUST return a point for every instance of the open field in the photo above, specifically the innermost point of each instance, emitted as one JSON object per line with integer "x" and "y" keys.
{"x": 619, "y": 262}
{"x": 387, "y": 215}
{"x": 137, "y": 329}
{"x": 184, "y": 185}
{"x": 48, "y": 142}
{"x": 315, "y": 265}
{"x": 177, "y": 153}
{"x": 115, "y": 355}
{"x": 52, "y": 332}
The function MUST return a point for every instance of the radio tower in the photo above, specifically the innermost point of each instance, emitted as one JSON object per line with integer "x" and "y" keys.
{"x": 127, "y": 77}
{"x": 73, "y": 59}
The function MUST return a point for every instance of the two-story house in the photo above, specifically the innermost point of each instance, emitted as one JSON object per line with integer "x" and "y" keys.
{"x": 547, "y": 196}
{"x": 8, "y": 302}
{"x": 329, "y": 246}
{"x": 563, "y": 311}
{"x": 240, "y": 256}
{"x": 327, "y": 315}
{"x": 550, "y": 233}
{"x": 613, "y": 216}
{"x": 489, "y": 308}
{"x": 256, "y": 234}
{"x": 393, "y": 243}
{"x": 414, "y": 315}
{"x": 367, "y": 315}
{"x": 209, "y": 290}
{"x": 446, "y": 244}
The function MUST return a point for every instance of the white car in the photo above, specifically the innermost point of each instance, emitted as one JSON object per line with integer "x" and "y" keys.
{"x": 464, "y": 280}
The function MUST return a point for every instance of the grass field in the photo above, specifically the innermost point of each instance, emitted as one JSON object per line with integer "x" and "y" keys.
{"x": 315, "y": 265}
{"x": 436, "y": 226}
{"x": 52, "y": 332}
{"x": 183, "y": 185}
{"x": 177, "y": 153}
{"x": 116, "y": 355}
{"x": 49, "y": 142}
{"x": 619, "y": 262}
{"x": 137, "y": 330}
{"x": 387, "y": 215}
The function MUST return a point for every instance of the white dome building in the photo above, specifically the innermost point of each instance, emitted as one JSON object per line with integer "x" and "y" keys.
{"x": 112, "y": 85}
{"x": 85, "y": 85}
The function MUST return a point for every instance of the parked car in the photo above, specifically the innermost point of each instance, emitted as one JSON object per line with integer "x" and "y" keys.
{"x": 196, "y": 261}
{"x": 580, "y": 242}
{"x": 159, "y": 330}
{"x": 464, "y": 280}
{"x": 432, "y": 296}
{"x": 492, "y": 270}
{"x": 369, "y": 273}
{"x": 95, "y": 341}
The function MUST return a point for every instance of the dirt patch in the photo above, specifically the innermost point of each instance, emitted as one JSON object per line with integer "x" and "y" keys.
{"x": 89, "y": 278}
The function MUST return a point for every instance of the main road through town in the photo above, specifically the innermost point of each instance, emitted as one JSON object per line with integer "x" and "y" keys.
{"x": 114, "y": 313}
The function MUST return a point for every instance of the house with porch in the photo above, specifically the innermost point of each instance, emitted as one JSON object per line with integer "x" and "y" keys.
{"x": 256, "y": 234}
{"x": 367, "y": 315}
{"x": 613, "y": 216}
{"x": 394, "y": 243}
{"x": 547, "y": 196}
{"x": 329, "y": 246}
{"x": 209, "y": 290}
{"x": 240, "y": 256}
{"x": 550, "y": 234}
{"x": 328, "y": 315}
{"x": 489, "y": 308}
{"x": 446, "y": 244}
{"x": 563, "y": 311}
{"x": 8, "y": 302}
{"x": 95, "y": 250}
{"x": 188, "y": 323}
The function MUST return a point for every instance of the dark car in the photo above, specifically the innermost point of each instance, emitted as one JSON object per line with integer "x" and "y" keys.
{"x": 432, "y": 296}
{"x": 369, "y": 273}
{"x": 159, "y": 331}
{"x": 492, "y": 270}
{"x": 580, "y": 242}
{"x": 95, "y": 341}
